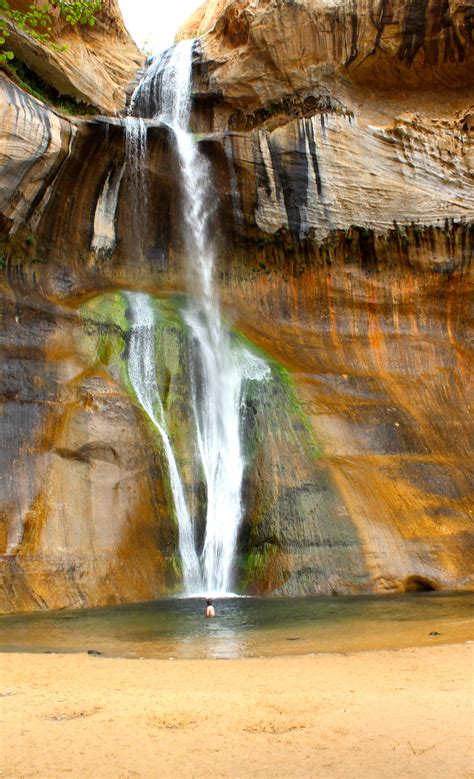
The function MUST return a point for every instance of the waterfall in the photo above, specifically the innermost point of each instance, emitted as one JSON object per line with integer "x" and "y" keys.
{"x": 135, "y": 163}
{"x": 219, "y": 368}
{"x": 135, "y": 152}
{"x": 142, "y": 374}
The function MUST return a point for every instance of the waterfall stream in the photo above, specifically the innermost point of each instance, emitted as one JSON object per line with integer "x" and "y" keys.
{"x": 142, "y": 374}
{"x": 135, "y": 164}
{"x": 219, "y": 367}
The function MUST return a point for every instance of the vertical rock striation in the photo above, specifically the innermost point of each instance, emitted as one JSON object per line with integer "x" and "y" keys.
{"x": 340, "y": 139}
{"x": 93, "y": 65}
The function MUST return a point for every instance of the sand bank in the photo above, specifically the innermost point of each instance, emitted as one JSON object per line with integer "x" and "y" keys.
{"x": 404, "y": 713}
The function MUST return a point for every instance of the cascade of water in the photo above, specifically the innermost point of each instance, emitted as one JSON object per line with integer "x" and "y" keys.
{"x": 142, "y": 373}
{"x": 135, "y": 163}
{"x": 219, "y": 368}
{"x": 135, "y": 150}
{"x": 165, "y": 89}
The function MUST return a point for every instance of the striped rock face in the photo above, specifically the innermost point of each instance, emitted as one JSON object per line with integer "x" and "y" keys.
{"x": 93, "y": 65}
{"x": 339, "y": 140}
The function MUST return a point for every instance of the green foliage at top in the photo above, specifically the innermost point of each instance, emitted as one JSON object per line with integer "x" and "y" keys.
{"x": 37, "y": 21}
{"x": 78, "y": 11}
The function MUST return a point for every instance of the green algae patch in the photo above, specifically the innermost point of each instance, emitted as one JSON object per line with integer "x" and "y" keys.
{"x": 262, "y": 570}
{"x": 105, "y": 325}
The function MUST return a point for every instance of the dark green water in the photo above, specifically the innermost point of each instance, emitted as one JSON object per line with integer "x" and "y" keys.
{"x": 246, "y": 627}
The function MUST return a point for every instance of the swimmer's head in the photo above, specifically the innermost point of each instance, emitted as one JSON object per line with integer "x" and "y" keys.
{"x": 209, "y": 602}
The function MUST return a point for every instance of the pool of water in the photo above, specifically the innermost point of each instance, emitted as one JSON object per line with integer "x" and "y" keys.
{"x": 246, "y": 627}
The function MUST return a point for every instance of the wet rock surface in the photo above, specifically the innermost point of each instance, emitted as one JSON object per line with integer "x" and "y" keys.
{"x": 344, "y": 240}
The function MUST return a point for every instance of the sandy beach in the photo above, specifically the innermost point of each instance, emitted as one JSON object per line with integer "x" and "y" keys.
{"x": 405, "y": 713}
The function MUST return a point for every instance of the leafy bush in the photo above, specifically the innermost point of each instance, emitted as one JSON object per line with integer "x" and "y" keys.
{"x": 37, "y": 21}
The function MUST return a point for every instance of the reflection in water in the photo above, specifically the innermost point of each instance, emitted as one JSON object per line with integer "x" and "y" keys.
{"x": 224, "y": 642}
{"x": 246, "y": 627}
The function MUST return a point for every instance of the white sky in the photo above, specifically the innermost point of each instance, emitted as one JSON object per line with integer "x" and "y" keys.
{"x": 156, "y": 22}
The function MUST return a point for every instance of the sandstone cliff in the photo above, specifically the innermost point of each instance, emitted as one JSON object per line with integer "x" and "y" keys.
{"x": 340, "y": 141}
{"x": 259, "y": 52}
{"x": 97, "y": 64}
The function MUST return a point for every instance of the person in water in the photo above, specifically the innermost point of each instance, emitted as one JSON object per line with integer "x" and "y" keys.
{"x": 210, "y": 610}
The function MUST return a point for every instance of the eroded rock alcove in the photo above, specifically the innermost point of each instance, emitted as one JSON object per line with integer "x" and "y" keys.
{"x": 339, "y": 135}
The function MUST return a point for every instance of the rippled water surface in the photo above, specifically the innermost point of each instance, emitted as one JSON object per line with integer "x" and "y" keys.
{"x": 246, "y": 627}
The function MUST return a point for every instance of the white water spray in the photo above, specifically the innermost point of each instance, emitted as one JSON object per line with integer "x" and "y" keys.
{"x": 135, "y": 165}
{"x": 219, "y": 368}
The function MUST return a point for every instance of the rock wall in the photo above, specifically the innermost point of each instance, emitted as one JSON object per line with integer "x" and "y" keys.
{"x": 84, "y": 513}
{"x": 96, "y": 65}
{"x": 340, "y": 141}
{"x": 259, "y": 52}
